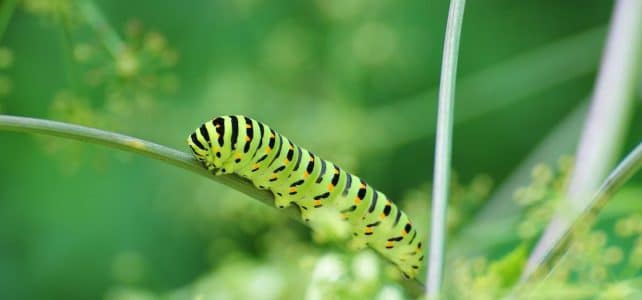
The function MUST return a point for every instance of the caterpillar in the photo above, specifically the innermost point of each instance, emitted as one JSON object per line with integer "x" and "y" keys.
{"x": 251, "y": 149}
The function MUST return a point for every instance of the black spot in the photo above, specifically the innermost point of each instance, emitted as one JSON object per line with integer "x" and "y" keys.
{"x": 387, "y": 209}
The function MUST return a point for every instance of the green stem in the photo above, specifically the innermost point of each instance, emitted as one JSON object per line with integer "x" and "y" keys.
{"x": 618, "y": 177}
{"x": 6, "y": 12}
{"x": 109, "y": 37}
{"x": 443, "y": 147}
{"x": 606, "y": 124}
{"x": 131, "y": 144}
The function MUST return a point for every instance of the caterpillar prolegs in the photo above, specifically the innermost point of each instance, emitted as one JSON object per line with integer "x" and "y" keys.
{"x": 251, "y": 149}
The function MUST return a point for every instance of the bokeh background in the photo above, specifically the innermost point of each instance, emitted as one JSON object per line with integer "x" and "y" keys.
{"x": 354, "y": 80}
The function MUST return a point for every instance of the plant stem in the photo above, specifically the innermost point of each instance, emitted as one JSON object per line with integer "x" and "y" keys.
{"x": 7, "y": 7}
{"x": 110, "y": 39}
{"x": 605, "y": 126}
{"x": 443, "y": 147}
{"x": 131, "y": 144}
{"x": 622, "y": 173}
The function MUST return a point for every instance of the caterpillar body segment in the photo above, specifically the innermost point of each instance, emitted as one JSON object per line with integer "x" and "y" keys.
{"x": 251, "y": 149}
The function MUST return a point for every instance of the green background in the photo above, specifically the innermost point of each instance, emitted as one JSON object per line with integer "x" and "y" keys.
{"x": 354, "y": 81}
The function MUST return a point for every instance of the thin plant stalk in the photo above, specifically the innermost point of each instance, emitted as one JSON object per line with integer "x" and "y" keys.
{"x": 7, "y": 7}
{"x": 131, "y": 144}
{"x": 605, "y": 126}
{"x": 618, "y": 177}
{"x": 443, "y": 147}
{"x": 94, "y": 18}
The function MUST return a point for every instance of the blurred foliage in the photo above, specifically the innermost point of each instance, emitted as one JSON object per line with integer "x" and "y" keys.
{"x": 353, "y": 80}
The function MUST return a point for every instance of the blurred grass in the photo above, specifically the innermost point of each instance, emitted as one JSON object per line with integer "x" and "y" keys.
{"x": 79, "y": 222}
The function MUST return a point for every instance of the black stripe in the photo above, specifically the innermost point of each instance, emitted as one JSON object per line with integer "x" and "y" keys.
{"x": 220, "y": 129}
{"x": 205, "y": 133}
{"x": 397, "y": 217}
{"x": 250, "y": 133}
{"x": 310, "y": 166}
{"x": 374, "y": 224}
{"x": 320, "y": 178}
{"x": 322, "y": 196}
{"x": 197, "y": 142}
{"x": 279, "y": 169}
{"x": 335, "y": 177}
{"x": 373, "y": 204}
{"x": 298, "y": 182}
{"x": 395, "y": 239}
{"x": 290, "y": 152}
{"x": 278, "y": 152}
{"x": 261, "y": 132}
{"x": 194, "y": 151}
{"x": 235, "y": 131}
{"x": 414, "y": 235}
{"x": 348, "y": 184}
{"x": 272, "y": 139}
{"x": 298, "y": 160}
{"x": 408, "y": 227}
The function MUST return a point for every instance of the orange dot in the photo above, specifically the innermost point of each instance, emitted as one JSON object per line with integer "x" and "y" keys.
{"x": 247, "y": 138}
{"x": 382, "y": 216}
{"x": 330, "y": 187}
{"x": 357, "y": 200}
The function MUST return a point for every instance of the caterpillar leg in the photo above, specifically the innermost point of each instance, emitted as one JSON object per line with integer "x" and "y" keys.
{"x": 281, "y": 201}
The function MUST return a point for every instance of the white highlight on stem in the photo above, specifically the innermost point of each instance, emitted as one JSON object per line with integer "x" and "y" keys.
{"x": 605, "y": 126}
{"x": 443, "y": 147}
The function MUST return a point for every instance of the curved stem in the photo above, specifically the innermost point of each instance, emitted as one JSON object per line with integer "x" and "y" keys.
{"x": 606, "y": 124}
{"x": 443, "y": 147}
{"x": 631, "y": 164}
{"x": 131, "y": 144}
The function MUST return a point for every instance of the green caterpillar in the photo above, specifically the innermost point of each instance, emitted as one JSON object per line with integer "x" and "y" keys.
{"x": 238, "y": 144}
